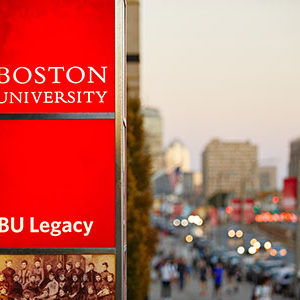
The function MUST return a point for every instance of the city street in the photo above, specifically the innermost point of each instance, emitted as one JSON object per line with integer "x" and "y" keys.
{"x": 178, "y": 248}
{"x": 192, "y": 292}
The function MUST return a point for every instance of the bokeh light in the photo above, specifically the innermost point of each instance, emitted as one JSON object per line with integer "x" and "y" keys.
{"x": 176, "y": 222}
{"x": 267, "y": 245}
{"x": 283, "y": 252}
{"x": 239, "y": 234}
{"x": 231, "y": 233}
{"x": 240, "y": 250}
{"x": 184, "y": 222}
{"x": 189, "y": 238}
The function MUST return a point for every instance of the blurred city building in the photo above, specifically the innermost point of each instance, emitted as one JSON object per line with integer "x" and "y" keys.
{"x": 198, "y": 182}
{"x": 229, "y": 167}
{"x": 267, "y": 178}
{"x": 294, "y": 157}
{"x": 177, "y": 155}
{"x": 153, "y": 137}
{"x": 133, "y": 50}
{"x": 187, "y": 189}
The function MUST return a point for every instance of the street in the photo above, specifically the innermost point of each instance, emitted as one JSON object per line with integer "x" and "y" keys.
{"x": 192, "y": 292}
{"x": 178, "y": 248}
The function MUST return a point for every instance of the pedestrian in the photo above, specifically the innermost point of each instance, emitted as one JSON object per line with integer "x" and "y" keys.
{"x": 231, "y": 275}
{"x": 203, "y": 277}
{"x": 263, "y": 290}
{"x": 167, "y": 275}
{"x": 182, "y": 270}
{"x": 217, "y": 273}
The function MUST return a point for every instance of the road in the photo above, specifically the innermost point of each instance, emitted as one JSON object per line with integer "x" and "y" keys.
{"x": 178, "y": 248}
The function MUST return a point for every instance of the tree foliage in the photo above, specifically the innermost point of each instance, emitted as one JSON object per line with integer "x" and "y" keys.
{"x": 141, "y": 237}
{"x": 218, "y": 199}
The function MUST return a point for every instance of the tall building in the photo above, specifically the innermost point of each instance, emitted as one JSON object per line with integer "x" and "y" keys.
{"x": 177, "y": 155}
{"x": 229, "y": 167}
{"x": 133, "y": 50}
{"x": 267, "y": 179}
{"x": 153, "y": 136}
{"x": 294, "y": 157}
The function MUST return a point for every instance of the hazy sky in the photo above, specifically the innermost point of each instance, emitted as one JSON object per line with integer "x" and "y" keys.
{"x": 224, "y": 68}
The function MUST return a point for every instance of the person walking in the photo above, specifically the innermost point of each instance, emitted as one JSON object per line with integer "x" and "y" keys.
{"x": 182, "y": 271}
{"x": 167, "y": 275}
{"x": 264, "y": 290}
{"x": 217, "y": 273}
{"x": 203, "y": 277}
{"x": 231, "y": 276}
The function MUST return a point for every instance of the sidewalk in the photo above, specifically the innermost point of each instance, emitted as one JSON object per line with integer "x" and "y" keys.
{"x": 192, "y": 292}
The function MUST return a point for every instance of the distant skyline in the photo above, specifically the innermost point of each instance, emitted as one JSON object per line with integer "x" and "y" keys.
{"x": 224, "y": 69}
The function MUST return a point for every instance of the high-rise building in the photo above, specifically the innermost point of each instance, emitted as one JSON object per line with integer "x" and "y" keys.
{"x": 133, "y": 50}
{"x": 294, "y": 158}
{"x": 229, "y": 167}
{"x": 177, "y": 155}
{"x": 267, "y": 179}
{"x": 153, "y": 137}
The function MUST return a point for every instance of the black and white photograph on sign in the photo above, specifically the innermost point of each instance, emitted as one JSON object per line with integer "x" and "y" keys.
{"x": 61, "y": 277}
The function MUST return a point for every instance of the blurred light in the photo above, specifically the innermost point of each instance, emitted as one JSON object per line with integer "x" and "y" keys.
{"x": 253, "y": 241}
{"x": 191, "y": 219}
{"x": 275, "y": 217}
{"x": 283, "y": 252}
{"x": 229, "y": 210}
{"x": 189, "y": 238}
{"x": 293, "y": 218}
{"x": 198, "y": 232}
{"x": 257, "y": 245}
{"x": 267, "y": 245}
{"x": 252, "y": 250}
{"x": 176, "y": 222}
{"x": 198, "y": 221}
{"x": 239, "y": 234}
{"x": 240, "y": 250}
{"x": 231, "y": 233}
{"x": 184, "y": 222}
{"x": 275, "y": 199}
{"x": 273, "y": 252}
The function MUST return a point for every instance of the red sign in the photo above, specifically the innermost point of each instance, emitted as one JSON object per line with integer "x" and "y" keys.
{"x": 289, "y": 194}
{"x": 248, "y": 215}
{"x": 248, "y": 211}
{"x": 57, "y": 176}
{"x": 62, "y": 138}
{"x": 57, "y": 56}
{"x": 236, "y": 210}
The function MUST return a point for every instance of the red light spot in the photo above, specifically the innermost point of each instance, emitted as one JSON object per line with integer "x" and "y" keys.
{"x": 229, "y": 209}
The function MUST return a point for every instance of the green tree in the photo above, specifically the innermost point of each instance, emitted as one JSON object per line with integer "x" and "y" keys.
{"x": 141, "y": 237}
{"x": 218, "y": 199}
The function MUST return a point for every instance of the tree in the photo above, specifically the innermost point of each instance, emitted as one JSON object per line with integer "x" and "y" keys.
{"x": 218, "y": 199}
{"x": 141, "y": 237}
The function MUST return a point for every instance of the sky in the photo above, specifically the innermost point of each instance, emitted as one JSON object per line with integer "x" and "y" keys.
{"x": 227, "y": 69}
